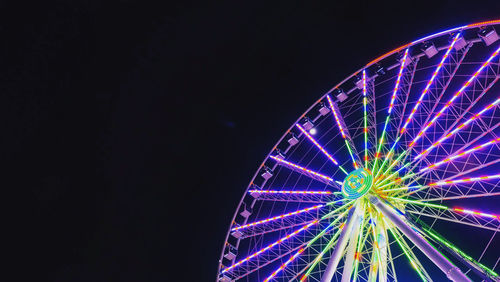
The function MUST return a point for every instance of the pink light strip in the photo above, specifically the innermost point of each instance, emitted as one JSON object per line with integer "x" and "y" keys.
{"x": 458, "y": 93}
{"x": 284, "y": 265}
{"x": 396, "y": 87}
{"x": 476, "y": 213}
{"x": 277, "y": 217}
{"x": 283, "y": 239}
{"x": 474, "y": 117}
{"x": 364, "y": 119}
{"x": 464, "y": 180}
{"x": 301, "y": 168}
{"x": 289, "y": 192}
{"x": 317, "y": 145}
{"x": 337, "y": 120}
{"x": 461, "y": 154}
{"x": 335, "y": 116}
{"x": 429, "y": 83}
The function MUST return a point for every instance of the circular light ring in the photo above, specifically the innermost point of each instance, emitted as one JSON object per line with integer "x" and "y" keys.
{"x": 357, "y": 183}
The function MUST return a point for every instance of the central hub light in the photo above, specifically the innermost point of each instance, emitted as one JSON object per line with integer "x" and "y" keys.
{"x": 357, "y": 183}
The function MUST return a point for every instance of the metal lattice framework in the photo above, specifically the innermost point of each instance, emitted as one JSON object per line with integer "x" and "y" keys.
{"x": 396, "y": 167}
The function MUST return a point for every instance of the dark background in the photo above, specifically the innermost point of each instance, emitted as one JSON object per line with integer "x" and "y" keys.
{"x": 129, "y": 130}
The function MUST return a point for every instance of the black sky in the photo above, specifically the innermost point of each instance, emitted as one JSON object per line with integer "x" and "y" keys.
{"x": 130, "y": 129}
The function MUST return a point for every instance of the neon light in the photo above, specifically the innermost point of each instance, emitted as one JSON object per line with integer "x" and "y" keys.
{"x": 321, "y": 148}
{"x": 391, "y": 105}
{"x": 277, "y": 217}
{"x": 337, "y": 120}
{"x": 289, "y": 192}
{"x": 474, "y": 117}
{"x": 283, "y": 239}
{"x": 408, "y": 255}
{"x": 457, "y": 94}
{"x": 284, "y": 265}
{"x": 301, "y": 168}
{"x": 461, "y": 154}
{"x": 365, "y": 119}
{"x": 429, "y": 83}
{"x": 398, "y": 80}
{"x": 460, "y": 210}
{"x": 464, "y": 180}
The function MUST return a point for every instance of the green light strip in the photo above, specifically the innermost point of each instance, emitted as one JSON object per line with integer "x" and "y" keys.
{"x": 439, "y": 238}
{"x": 358, "y": 250}
{"x": 408, "y": 256}
{"x": 380, "y": 143}
{"x": 352, "y": 155}
{"x": 420, "y": 203}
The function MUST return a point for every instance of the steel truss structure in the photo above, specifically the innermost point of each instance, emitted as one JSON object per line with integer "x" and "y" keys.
{"x": 395, "y": 170}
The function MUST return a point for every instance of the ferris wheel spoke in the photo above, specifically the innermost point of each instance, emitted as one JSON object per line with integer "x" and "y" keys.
{"x": 455, "y": 96}
{"x": 310, "y": 267}
{"x": 305, "y": 171}
{"x": 403, "y": 129}
{"x": 414, "y": 262}
{"x": 345, "y": 135}
{"x": 451, "y": 215}
{"x": 461, "y": 155}
{"x": 320, "y": 148}
{"x": 365, "y": 121}
{"x": 270, "y": 246}
{"x": 391, "y": 105}
{"x": 450, "y": 133}
{"x": 277, "y": 218}
{"x": 310, "y": 243}
{"x": 294, "y": 196}
{"x": 483, "y": 271}
{"x": 465, "y": 172}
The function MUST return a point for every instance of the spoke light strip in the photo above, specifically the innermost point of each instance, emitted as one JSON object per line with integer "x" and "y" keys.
{"x": 337, "y": 120}
{"x": 283, "y": 239}
{"x": 413, "y": 264}
{"x": 301, "y": 168}
{"x": 365, "y": 122}
{"x": 429, "y": 83}
{"x": 474, "y": 117}
{"x": 391, "y": 105}
{"x": 284, "y": 265}
{"x": 321, "y": 148}
{"x": 289, "y": 192}
{"x": 457, "y": 94}
{"x": 307, "y": 245}
{"x": 461, "y": 154}
{"x": 321, "y": 254}
{"x": 460, "y": 210}
{"x": 439, "y": 238}
{"x": 277, "y": 217}
{"x": 464, "y": 180}
{"x": 422, "y": 96}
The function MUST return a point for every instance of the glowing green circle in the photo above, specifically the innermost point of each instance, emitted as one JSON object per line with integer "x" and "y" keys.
{"x": 357, "y": 183}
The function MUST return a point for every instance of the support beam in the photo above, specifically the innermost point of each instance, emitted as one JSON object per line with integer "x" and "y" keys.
{"x": 452, "y": 272}
{"x": 341, "y": 244}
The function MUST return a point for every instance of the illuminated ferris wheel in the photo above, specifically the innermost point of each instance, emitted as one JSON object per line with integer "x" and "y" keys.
{"x": 393, "y": 172}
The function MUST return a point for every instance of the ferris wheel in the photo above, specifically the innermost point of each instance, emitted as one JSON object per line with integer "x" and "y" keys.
{"x": 393, "y": 174}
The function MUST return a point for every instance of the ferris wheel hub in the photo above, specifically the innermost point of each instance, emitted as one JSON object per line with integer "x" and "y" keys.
{"x": 357, "y": 183}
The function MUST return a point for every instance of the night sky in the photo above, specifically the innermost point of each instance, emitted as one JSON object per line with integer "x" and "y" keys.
{"x": 131, "y": 129}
